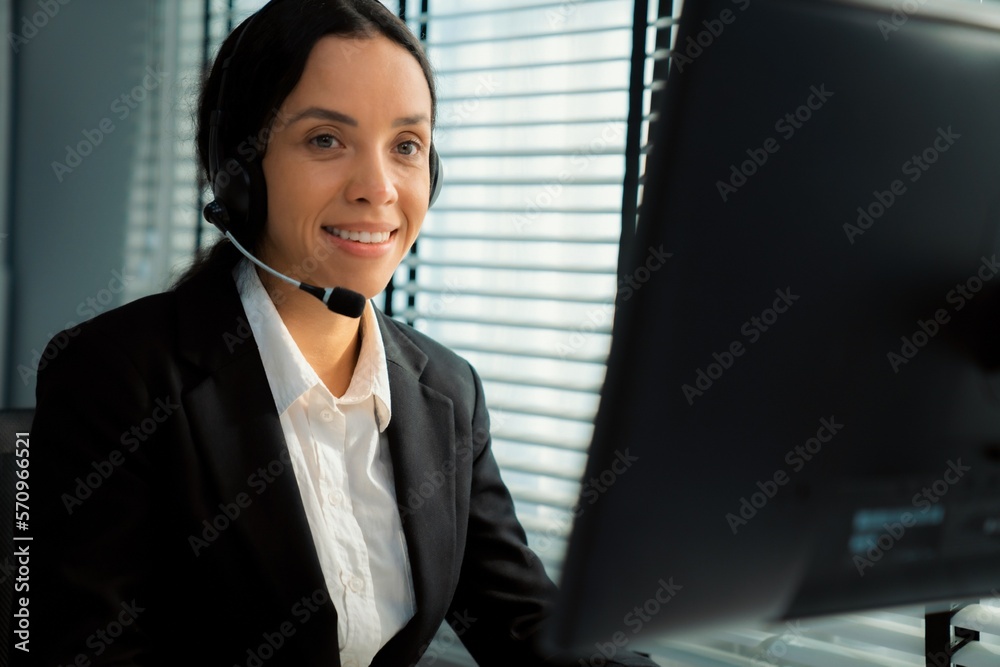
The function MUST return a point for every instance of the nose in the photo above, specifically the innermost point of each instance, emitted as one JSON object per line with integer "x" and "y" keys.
{"x": 371, "y": 179}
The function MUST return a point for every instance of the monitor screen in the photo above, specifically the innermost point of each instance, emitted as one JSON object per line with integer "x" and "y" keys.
{"x": 807, "y": 389}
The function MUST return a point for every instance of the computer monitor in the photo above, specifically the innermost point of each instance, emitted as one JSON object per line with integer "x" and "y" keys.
{"x": 806, "y": 392}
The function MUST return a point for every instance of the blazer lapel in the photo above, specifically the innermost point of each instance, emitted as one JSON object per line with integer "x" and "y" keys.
{"x": 236, "y": 424}
{"x": 421, "y": 437}
{"x": 238, "y": 433}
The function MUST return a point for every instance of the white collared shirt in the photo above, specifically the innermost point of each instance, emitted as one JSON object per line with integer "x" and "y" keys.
{"x": 340, "y": 456}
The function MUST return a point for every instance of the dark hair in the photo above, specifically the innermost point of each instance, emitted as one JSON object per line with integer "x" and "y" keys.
{"x": 268, "y": 65}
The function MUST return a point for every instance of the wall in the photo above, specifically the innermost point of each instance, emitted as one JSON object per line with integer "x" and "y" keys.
{"x": 5, "y": 137}
{"x": 72, "y": 146}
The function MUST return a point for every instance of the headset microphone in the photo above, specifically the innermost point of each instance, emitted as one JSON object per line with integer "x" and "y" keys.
{"x": 338, "y": 299}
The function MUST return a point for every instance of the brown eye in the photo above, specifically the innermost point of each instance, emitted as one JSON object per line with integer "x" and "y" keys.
{"x": 409, "y": 148}
{"x": 324, "y": 141}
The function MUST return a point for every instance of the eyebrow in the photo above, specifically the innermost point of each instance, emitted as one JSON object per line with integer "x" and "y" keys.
{"x": 338, "y": 117}
{"x": 412, "y": 120}
{"x": 322, "y": 114}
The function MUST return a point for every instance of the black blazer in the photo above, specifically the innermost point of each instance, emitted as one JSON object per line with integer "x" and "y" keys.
{"x": 169, "y": 524}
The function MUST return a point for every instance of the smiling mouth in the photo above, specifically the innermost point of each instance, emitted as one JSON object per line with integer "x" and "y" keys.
{"x": 372, "y": 238}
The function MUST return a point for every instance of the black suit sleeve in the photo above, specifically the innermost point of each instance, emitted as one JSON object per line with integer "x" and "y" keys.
{"x": 504, "y": 594}
{"x": 93, "y": 505}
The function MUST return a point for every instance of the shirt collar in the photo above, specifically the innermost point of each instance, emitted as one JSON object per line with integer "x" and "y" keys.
{"x": 288, "y": 372}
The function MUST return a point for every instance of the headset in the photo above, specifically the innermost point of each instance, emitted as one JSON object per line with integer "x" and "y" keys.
{"x": 240, "y": 193}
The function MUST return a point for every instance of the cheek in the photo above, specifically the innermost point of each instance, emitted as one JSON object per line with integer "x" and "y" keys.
{"x": 284, "y": 204}
{"x": 296, "y": 192}
{"x": 414, "y": 202}
{"x": 414, "y": 223}
{"x": 288, "y": 184}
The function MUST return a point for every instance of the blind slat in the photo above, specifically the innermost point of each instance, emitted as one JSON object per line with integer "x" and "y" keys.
{"x": 522, "y": 238}
{"x": 543, "y": 526}
{"x": 871, "y": 631}
{"x": 514, "y": 182}
{"x": 564, "y": 444}
{"x": 517, "y": 324}
{"x": 980, "y": 617}
{"x": 976, "y": 654}
{"x": 545, "y": 498}
{"x": 563, "y": 415}
{"x": 430, "y": 16}
{"x": 581, "y": 387}
{"x": 539, "y": 469}
{"x": 521, "y": 123}
{"x": 507, "y": 39}
{"x": 527, "y": 353}
{"x": 535, "y": 93}
{"x": 497, "y": 266}
{"x": 532, "y": 65}
{"x": 567, "y": 151}
{"x": 497, "y": 294}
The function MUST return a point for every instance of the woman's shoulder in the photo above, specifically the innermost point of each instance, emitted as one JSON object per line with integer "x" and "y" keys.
{"x": 136, "y": 323}
{"x": 407, "y": 345}
{"x": 152, "y": 322}
{"x": 406, "y": 335}
{"x": 122, "y": 333}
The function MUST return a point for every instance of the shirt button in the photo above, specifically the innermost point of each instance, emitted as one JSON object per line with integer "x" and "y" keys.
{"x": 327, "y": 415}
{"x": 356, "y": 584}
{"x": 336, "y": 498}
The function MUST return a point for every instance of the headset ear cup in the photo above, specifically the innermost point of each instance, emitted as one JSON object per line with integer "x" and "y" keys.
{"x": 257, "y": 215}
{"x": 240, "y": 188}
{"x": 232, "y": 190}
{"x": 437, "y": 175}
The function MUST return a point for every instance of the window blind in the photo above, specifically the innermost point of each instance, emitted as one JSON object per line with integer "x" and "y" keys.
{"x": 161, "y": 225}
{"x": 515, "y": 268}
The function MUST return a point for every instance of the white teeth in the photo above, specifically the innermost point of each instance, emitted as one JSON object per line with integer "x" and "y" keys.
{"x": 360, "y": 237}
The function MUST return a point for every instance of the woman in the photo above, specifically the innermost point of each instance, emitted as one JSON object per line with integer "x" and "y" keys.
{"x": 236, "y": 475}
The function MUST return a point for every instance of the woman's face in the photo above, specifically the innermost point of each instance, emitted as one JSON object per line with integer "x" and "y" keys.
{"x": 347, "y": 168}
